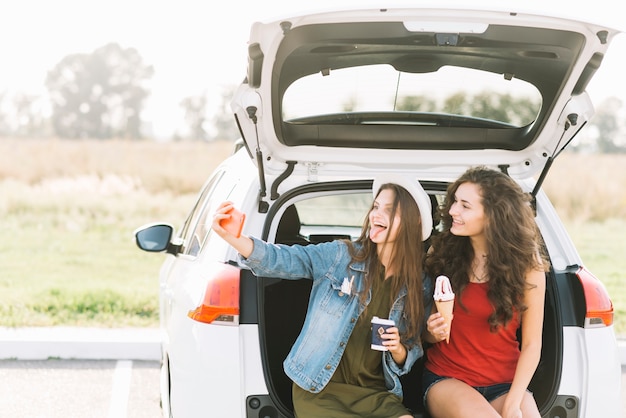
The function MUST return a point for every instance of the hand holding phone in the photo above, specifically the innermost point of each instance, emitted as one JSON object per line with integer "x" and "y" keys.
{"x": 234, "y": 224}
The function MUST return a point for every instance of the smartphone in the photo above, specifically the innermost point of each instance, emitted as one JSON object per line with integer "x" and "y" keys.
{"x": 234, "y": 224}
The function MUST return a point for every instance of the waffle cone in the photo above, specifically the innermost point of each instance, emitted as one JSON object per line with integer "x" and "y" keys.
{"x": 444, "y": 307}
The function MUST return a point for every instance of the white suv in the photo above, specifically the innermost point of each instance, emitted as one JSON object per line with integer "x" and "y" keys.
{"x": 330, "y": 100}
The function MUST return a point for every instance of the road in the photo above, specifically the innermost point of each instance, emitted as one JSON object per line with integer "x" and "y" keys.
{"x": 79, "y": 388}
{"x": 623, "y": 392}
{"x": 92, "y": 389}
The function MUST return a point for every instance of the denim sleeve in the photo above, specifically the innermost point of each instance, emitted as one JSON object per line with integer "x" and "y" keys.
{"x": 412, "y": 355}
{"x": 292, "y": 262}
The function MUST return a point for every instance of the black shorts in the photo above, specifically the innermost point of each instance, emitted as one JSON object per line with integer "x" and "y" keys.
{"x": 489, "y": 392}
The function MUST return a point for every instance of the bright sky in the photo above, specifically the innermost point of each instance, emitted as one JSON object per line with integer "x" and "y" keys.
{"x": 199, "y": 45}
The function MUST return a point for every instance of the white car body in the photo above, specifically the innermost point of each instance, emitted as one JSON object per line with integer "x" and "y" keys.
{"x": 228, "y": 365}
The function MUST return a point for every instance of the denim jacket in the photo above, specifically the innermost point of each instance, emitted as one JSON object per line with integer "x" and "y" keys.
{"x": 332, "y": 312}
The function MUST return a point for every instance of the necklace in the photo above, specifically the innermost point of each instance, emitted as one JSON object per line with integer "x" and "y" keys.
{"x": 479, "y": 279}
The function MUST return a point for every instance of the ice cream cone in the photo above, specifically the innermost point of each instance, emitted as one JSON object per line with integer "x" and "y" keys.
{"x": 444, "y": 307}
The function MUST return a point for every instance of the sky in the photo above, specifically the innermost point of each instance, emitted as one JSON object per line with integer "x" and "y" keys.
{"x": 200, "y": 46}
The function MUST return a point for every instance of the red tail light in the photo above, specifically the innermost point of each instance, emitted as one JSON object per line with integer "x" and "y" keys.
{"x": 599, "y": 305}
{"x": 221, "y": 297}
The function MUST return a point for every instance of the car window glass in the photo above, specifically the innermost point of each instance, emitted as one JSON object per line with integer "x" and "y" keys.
{"x": 337, "y": 210}
{"x": 380, "y": 89}
{"x": 200, "y": 201}
{"x": 191, "y": 244}
{"x": 221, "y": 191}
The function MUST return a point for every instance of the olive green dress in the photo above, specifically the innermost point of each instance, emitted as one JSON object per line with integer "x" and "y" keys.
{"x": 357, "y": 388}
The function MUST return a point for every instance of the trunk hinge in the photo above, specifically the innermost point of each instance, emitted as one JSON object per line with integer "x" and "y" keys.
{"x": 572, "y": 120}
{"x": 312, "y": 170}
{"x": 274, "y": 193}
{"x": 263, "y": 205}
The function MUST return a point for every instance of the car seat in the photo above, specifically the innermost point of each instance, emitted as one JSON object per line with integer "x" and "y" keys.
{"x": 288, "y": 231}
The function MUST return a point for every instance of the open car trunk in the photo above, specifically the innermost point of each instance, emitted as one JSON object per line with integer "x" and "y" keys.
{"x": 284, "y": 303}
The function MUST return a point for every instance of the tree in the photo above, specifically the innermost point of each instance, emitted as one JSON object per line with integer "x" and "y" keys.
{"x": 222, "y": 126}
{"x": 195, "y": 116}
{"x": 5, "y": 127}
{"x": 606, "y": 123}
{"x": 517, "y": 111}
{"x": 488, "y": 105}
{"x": 29, "y": 119}
{"x": 99, "y": 95}
{"x": 223, "y": 120}
{"x": 416, "y": 104}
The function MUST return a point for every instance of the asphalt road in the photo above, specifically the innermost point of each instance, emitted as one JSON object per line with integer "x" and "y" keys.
{"x": 92, "y": 389}
{"x": 79, "y": 388}
{"x": 623, "y": 392}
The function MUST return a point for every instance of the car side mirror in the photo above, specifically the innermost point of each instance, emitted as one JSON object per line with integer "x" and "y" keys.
{"x": 154, "y": 238}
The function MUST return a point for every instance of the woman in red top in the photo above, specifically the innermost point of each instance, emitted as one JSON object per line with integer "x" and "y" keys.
{"x": 490, "y": 249}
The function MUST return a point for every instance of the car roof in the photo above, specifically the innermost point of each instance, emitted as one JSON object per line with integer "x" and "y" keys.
{"x": 557, "y": 57}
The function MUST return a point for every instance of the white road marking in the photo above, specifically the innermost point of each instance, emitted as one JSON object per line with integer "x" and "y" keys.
{"x": 120, "y": 389}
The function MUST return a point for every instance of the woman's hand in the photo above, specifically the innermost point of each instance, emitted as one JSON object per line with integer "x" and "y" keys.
{"x": 437, "y": 328}
{"x": 243, "y": 244}
{"x": 221, "y": 213}
{"x": 391, "y": 340}
{"x": 515, "y": 412}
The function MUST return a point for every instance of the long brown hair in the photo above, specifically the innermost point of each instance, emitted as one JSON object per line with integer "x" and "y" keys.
{"x": 406, "y": 258}
{"x": 514, "y": 244}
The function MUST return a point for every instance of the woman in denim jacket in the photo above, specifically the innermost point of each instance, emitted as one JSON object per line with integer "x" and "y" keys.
{"x": 334, "y": 370}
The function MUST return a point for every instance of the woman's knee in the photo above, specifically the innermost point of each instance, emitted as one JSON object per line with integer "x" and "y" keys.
{"x": 529, "y": 406}
{"x": 453, "y": 398}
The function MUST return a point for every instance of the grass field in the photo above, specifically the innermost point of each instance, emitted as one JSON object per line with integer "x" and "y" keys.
{"x": 68, "y": 211}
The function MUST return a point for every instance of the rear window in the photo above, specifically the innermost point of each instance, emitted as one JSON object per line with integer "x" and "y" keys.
{"x": 380, "y": 91}
{"x": 347, "y": 210}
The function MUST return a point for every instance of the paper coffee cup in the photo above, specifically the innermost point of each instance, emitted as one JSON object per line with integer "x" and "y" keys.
{"x": 379, "y": 327}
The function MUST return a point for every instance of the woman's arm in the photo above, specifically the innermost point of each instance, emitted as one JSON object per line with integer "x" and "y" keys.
{"x": 532, "y": 329}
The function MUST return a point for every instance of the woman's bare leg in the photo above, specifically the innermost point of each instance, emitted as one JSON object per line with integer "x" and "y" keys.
{"x": 451, "y": 398}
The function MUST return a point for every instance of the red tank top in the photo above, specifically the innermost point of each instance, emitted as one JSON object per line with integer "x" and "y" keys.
{"x": 475, "y": 355}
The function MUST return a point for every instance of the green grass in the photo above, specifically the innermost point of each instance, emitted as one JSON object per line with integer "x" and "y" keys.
{"x": 68, "y": 211}
{"x": 75, "y": 262}
{"x": 601, "y": 246}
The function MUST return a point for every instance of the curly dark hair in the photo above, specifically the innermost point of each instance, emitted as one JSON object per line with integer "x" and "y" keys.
{"x": 514, "y": 244}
